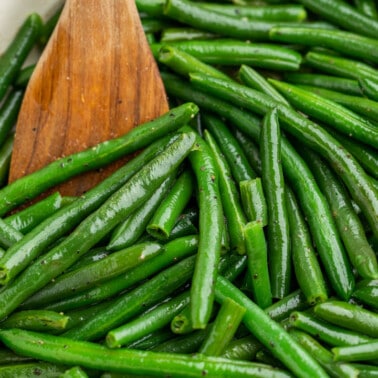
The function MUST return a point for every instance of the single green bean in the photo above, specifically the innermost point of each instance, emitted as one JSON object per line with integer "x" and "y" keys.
{"x": 334, "y": 83}
{"x": 324, "y": 356}
{"x": 8, "y": 113}
{"x": 232, "y": 209}
{"x": 278, "y": 230}
{"x": 146, "y": 323}
{"x": 349, "y": 316}
{"x": 253, "y": 200}
{"x": 223, "y": 329}
{"x": 174, "y": 34}
{"x": 210, "y": 233}
{"x": 230, "y": 52}
{"x": 344, "y": 15}
{"x": 270, "y": 333}
{"x": 63, "y": 350}
{"x": 14, "y": 56}
{"x": 324, "y": 331}
{"x": 50, "y": 230}
{"x": 8, "y": 235}
{"x": 306, "y": 266}
{"x": 369, "y": 87}
{"x": 244, "y": 348}
{"x": 258, "y": 269}
{"x": 94, "y": 274}
{"x": 360, "y": 352}
{"x": 367, "y": 292}
{"x": 340, "y": 66}
{"x": 96, "y": 225}
{"x": 347, "y": 43}
{"x": 329, "y": 112}
{"x": 128, "y": 232}
{"x": 5, "y": 158}
{"x": 36, "y": 320}
{"x": 58, "y": 171}
{"x": 151, "y": 7}
{"x": 166, "y": 215}
{"x": 174, "y": 251}
{"x": 152, "y": 340}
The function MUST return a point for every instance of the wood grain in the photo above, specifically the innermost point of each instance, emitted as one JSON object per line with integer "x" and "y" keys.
{"x": 95, "y": 80}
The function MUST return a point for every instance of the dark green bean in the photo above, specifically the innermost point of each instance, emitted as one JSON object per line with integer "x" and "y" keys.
{"x": 360, "y": 352}
{"x": 349, "y": 225}
{"x": 146, "y": 323}
{"x": 152, "y": 340}
{"x": 327, "y": 332}
{"x": 129, "y": 231}
{"x": 344, "y": 15}
{"x": 270, "y": 333}
{"x": 334, "y": 83}
{"x": 306, "y": 266}
{"x": 349, "y": 316}
{"x": 367, "y": 292}
{"x": 97, "y": 225}
{"x": 94, "y": 157}
{"x": 5, "y": 157}
{"x": 14, "y": 56}
{"x": 229, "y": 52}
{"x": 244, "y": 348}
{"x": 176, "y": 200}
{"x": 8, "y": 113}
{"x": 9, "y": 357}
{"x": 324, "y": 356}
{"x": 63, "y": 350}
{"x": 278, "y": 230}
{"x": 174, "y": 251}
{"x": 64, "y": 220}
{"x": 232, "y": 209}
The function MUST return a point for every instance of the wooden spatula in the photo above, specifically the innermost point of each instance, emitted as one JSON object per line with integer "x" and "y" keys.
{"x": 95, "y": 80}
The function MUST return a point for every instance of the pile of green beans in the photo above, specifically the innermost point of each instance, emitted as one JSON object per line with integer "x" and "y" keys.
{"x": 241, "y": 240}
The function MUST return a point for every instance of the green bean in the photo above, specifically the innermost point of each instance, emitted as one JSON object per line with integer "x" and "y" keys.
{"x": 152, "y": 340}
{"x": 32, "y": 369}
{"x": 340, "y": 66}
{"x": 223, "y": 329}
{"x": 96, "y": 356}
{"x": 74, "y": 372}
{"x": 369, "y": 87}
{"x": 181, "y": 323}
{"x": 183, "y": 63}
{"x": 253, "y": 200}
{"x": 94, "y": 157}
{"x": 174, "y": 251}
{"x": 359, "y": 352}
{"x": 347, "y": 43}
{"x": 8, "y": 113}
{"x": 14, "y": 56}
{"x": 8, "y": 235}
{"x": 210, "y": 233}
{"x": 253, "y": 79}
{"x": 325, "y": 233}
{"x": 94, "y": 274}
{"x": 26, "y": 219}
{"x": 363, "y": 106}
{"x": 5, "y": 157}
{"x": 9, "y": 357}
{"x": 232, "y": 209}
{"x": 334, "y": 83}
{"x": 344, "y": 15}
{"x": 349, "y": 225}
{"x": 263, "y": 12}
{"x": 229, "y": 52}
{"x": 166, "y": 215}
{"x": 367, "y": 292}
{"x": 145, "y": 323}
{"x": 367, "y": 8}
{"x": 36, "y": 320}
{"x": 186, "y": 225}
{"x": 97, "y": 225}
{"x": 133, "y": 302}
{"x": 366, "y": 371}
{"x": 327, "y": 332}
{"x": 258, "y": 270}
{"x": 130, "y": 230}
{"x": 324, "y": 356}
{"x": 174, "y": 34}
{"x": 229, "y": 146}
{"x": 50, "y": 230}
{"x": 270, "y": 333}
{"x": 329, "y": 112}
{"x": 306, "y": 266}
{"x": 151, "y": 7}
{"x": 244, "y": 348}
{"x": 355, "y": 178}
{"x": 278, "y": 231}
{"x": 349, "y": 316}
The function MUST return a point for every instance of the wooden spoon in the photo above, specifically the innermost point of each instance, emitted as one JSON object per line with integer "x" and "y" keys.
{"x": 96, "y": 79}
